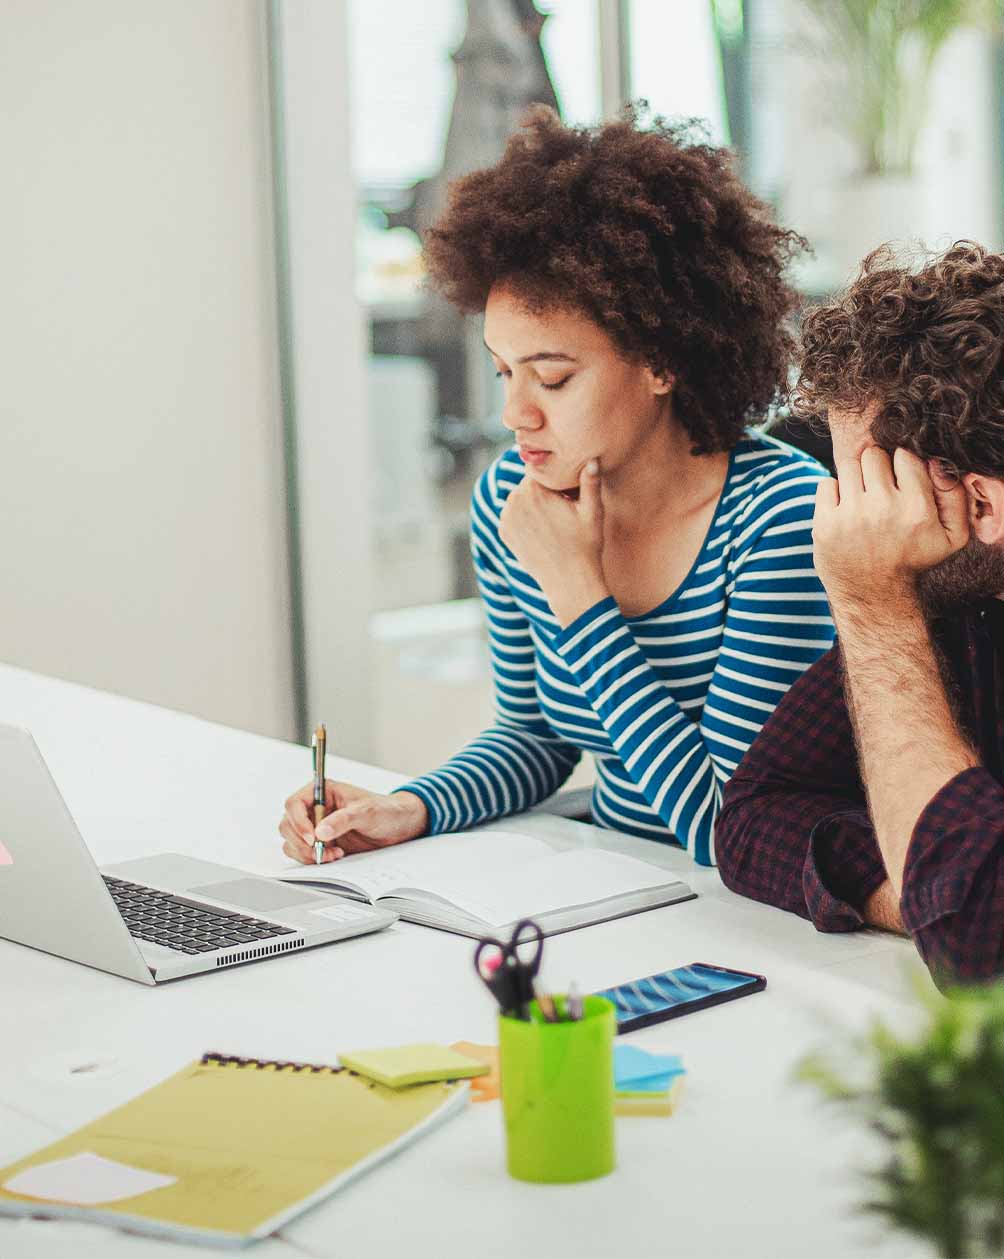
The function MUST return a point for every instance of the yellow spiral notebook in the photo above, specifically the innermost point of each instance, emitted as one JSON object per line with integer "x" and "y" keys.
{"x": 226, "y": 1151}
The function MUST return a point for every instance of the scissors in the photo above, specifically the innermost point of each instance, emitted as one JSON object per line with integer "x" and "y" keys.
{"x": 506, "y": 975}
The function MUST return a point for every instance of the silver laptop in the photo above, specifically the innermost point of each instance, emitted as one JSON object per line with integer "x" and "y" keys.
{"x": 151, "y": 919}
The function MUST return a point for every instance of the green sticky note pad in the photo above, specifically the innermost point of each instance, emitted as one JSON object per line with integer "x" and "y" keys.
{"x": 412, "y": 1064}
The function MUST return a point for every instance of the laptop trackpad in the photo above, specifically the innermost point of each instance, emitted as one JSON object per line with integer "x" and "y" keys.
{"x": 257, "y": 894}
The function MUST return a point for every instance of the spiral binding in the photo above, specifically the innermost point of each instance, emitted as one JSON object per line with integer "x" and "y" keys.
{"x": 232, "y": 1060}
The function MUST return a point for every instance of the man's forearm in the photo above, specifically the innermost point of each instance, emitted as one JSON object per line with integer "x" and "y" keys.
{"x": 881, "y": 909}
{"x": 909, "y": 743}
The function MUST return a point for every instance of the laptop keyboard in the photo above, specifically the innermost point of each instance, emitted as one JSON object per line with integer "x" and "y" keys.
{"x": 182, "y": 924}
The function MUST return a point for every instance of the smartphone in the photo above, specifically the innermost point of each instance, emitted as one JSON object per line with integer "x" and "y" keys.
{"x": 678, "y": 992}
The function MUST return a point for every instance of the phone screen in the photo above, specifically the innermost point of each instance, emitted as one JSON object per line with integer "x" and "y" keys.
{"x": 676, "y": 992}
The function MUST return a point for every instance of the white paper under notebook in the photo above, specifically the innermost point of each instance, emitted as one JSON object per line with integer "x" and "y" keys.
{"x": 475, "y": 881}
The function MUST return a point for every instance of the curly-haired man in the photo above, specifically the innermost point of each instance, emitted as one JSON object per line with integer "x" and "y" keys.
{"x": 874, "y": 795}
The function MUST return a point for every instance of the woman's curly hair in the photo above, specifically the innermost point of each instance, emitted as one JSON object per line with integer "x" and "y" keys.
{"x": 925, "y": 347}
{"x": 650, "y": 235}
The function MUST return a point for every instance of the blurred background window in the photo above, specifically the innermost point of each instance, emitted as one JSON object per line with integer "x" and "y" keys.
{"x": 675, "y": 60}
{"x": 313, "y": 475}
{"x": 435, "y": 92}
{"x": 847, "y": 115}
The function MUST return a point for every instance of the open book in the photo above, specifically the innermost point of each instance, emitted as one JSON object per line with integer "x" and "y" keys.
{"x": 474, "y": 882}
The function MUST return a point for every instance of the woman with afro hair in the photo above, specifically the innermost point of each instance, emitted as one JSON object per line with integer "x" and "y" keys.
{"x": 644, "y": 556}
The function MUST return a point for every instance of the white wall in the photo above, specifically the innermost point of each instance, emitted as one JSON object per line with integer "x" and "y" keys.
{"x": 142, "y": 547}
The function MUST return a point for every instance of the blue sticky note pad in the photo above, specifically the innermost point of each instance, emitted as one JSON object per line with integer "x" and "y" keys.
{"x": 632, "y": 1064}
{"x": 650, "y": 1084}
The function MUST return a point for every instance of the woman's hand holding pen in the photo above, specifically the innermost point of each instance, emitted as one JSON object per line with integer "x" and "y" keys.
{"x": 357, "y": 820}
{"x": 559, "y": 541}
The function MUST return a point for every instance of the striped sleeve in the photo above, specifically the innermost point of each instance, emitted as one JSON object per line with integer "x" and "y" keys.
{"x": 519, "y": 761}
{"x": 777, "y": 624}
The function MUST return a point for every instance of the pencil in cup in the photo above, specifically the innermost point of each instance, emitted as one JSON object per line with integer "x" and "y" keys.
{"x": 557, "y": 1081}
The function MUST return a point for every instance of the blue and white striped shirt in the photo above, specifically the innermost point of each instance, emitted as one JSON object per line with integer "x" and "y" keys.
{"x": 666, "y": 702}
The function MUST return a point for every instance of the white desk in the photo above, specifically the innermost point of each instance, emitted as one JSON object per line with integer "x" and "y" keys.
{"x": 752, "y": 1164}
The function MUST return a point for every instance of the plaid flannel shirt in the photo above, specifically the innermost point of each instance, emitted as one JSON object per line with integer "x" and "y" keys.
{"x": 794, "y": 829}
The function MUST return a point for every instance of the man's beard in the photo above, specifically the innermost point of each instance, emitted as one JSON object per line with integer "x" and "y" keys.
{"x": 975, "y": 572}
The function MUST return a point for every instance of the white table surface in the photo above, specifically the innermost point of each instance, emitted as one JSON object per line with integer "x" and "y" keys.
{"x": 752, "y": 1164}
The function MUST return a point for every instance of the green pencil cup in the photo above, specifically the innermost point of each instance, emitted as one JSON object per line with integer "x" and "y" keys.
{"x": 557, "y": 1084}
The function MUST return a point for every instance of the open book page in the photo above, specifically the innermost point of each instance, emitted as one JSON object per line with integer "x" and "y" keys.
{"x": 494, "y": 877}
{"x": 458, "y": 868}
{"x": 566, "y": 880}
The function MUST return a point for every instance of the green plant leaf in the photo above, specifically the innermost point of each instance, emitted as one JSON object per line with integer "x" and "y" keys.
{"x": 935, "y": 1101}
{"x": 885, "y": 52}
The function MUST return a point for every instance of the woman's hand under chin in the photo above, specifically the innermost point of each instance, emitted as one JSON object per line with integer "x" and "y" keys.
{"x": 559, "y": 541}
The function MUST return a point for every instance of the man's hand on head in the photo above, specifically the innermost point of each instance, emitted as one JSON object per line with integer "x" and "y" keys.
{"x": 881, "y": 523}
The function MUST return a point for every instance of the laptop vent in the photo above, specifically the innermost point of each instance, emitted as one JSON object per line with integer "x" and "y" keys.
{"x": 263, "y": 950}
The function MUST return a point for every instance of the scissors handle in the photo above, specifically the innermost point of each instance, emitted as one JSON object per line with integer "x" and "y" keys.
{"x": 536, "y": 937}
{"x": 510, "y": 978}
{"x": 480, "y": 963}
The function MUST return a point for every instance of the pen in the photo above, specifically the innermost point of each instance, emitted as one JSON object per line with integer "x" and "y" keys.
{"x": 318, "y": 744}
{"x": 573, "y": 1003}
{"x": 547, "y": 1007}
